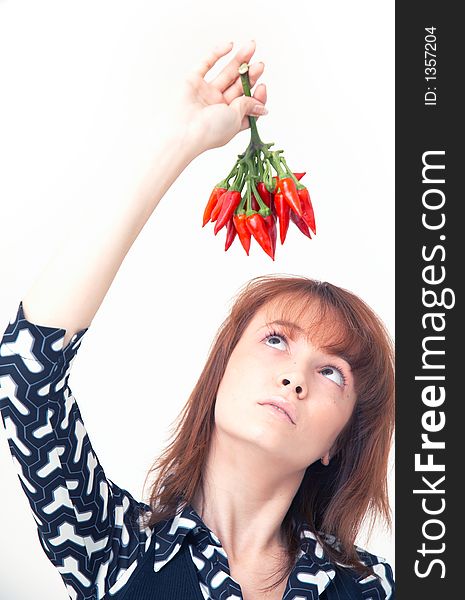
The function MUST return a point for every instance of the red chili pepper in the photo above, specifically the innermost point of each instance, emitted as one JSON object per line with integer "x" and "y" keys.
{"x": 212, "y": 202}
{"x": 307, "y": 209}
{"x": 258, "y": 228}
{"x": 230, "y": 201}
{"x": 270, "y": 221}
{"x": 230, "y": 234}
{"x": 242, "y": 230}
{"x": 289, "y": 191}
{"x": 265, "y": 195}
{"x": 298, "y": 176}
{"x": 283, "y": 211}
{"x": 217, "y": 207}
{"x": 300, "y": 224}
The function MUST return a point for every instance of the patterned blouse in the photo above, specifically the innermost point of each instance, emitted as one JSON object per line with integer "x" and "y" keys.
{"x": 90, "y": 528}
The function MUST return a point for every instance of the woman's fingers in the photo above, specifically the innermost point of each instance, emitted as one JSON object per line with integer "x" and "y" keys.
{"x": 236, "y": 90}
{"x": 261, "y": 94}
{"x": 250, "y": 107}
{"x": 209, "y": 62}
{"x": 229, "y": 74}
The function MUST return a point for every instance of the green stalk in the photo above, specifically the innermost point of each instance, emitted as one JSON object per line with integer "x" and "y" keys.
{"x": 254, "y": 137}
{"x": 257, "y": 146}
{"x": 275, "y": 160}
{"x": 249, "y": 210}
{"x": 291, "y": 174}
{"x": 241, "y": 207}
{"x": 225, "y": 182}
{"x": 239, "y": 178}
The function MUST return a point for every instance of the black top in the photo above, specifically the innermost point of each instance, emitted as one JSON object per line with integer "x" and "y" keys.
{"x": 90, "y": 528}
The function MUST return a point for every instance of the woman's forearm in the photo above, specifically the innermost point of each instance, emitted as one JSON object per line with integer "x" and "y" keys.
{"x": 70, "y": 289}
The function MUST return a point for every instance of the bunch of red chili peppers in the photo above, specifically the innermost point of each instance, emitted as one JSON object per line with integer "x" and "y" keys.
{"x": 267, "y": 198}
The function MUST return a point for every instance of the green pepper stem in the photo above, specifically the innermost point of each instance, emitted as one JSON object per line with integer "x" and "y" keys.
{"x": 244, "y": 73}
{"x": 290, "y": 173}
{"x": 249, "y": 198}
{"x": 239, "y": 178}
{"x": 241, "y": 207}
{"x": 241, "y": 181}
{"x": 276, "y": 162}
{"x": 249, "y": 177}
{"x": 260, "y": 168}
{"x": 225, "y": 182}
{"x": 251, "y": 162}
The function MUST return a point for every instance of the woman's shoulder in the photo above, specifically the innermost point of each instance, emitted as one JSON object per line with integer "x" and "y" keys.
{"x": 380, "y": 584}
{"x": 382, "y": 579}
{"x": 36, "y": 349}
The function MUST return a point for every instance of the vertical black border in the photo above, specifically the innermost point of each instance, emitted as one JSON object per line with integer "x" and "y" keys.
{"x": 419, "y": 129}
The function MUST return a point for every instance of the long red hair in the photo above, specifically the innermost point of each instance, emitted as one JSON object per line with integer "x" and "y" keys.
{"x": 334, "y": 499}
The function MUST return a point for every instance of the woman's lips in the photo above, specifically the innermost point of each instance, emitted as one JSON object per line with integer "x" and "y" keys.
{"x": 281, "y": 404}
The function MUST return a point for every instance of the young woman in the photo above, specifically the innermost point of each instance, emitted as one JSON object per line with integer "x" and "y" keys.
{"x": 281, "y": 449}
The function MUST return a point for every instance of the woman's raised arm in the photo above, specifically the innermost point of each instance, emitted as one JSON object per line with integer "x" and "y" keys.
{"x": 72, "y": 286}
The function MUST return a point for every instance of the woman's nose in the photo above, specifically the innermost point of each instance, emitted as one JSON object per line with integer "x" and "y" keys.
{"x": 296, "y": 383}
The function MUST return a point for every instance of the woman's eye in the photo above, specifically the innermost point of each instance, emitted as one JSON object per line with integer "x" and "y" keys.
{"x": 334, "y": 374}
{"x": 276, "y": 341}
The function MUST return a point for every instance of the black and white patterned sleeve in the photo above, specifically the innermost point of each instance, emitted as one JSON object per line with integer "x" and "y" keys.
{"x": 380, "y": 585}
{"x": 88, "y": 527}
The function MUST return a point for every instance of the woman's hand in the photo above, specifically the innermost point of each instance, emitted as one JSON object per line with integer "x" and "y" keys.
{"x": 212, "y": 113}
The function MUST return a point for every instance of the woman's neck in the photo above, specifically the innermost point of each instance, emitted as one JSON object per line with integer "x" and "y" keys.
{"x": 245, "y": 497}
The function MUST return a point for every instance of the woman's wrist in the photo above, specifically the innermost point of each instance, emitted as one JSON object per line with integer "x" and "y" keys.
{"x": 191, "y": 143}
{"x": 182, "y": 141}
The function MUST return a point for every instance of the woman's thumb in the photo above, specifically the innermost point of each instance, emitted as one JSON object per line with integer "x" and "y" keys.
{"x": 246, "y": 105}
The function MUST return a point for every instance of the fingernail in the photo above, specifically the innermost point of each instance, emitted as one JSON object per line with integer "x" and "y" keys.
{"x": 260, "y": 110}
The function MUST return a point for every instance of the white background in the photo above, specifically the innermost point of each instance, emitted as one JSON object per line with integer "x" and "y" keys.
{"x": 86, "y": 89}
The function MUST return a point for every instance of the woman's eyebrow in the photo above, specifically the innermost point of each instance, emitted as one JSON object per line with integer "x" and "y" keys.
{"x": 343, "y": 357}
{"x": 289, "y": 325}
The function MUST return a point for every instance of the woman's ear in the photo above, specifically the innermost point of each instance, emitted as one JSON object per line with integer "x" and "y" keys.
{"x": 325, "y": 459}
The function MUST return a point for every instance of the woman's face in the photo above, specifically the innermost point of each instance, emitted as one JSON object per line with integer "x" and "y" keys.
{"x": 268, "y": 367}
